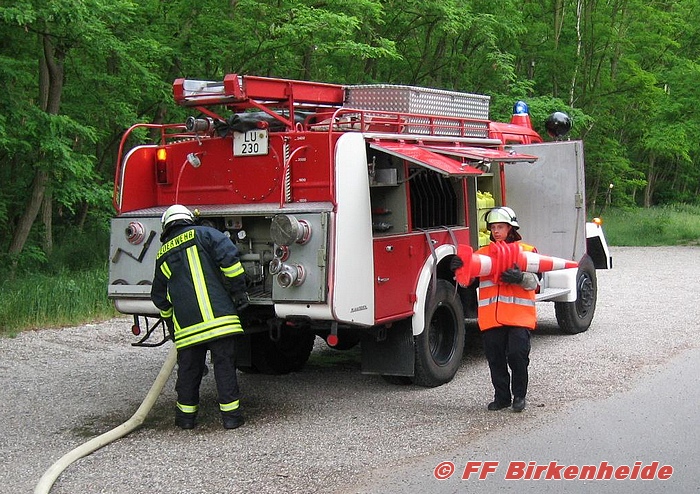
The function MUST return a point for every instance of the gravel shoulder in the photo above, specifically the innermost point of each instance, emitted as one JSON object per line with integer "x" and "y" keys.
{"x": 327, "y": 428}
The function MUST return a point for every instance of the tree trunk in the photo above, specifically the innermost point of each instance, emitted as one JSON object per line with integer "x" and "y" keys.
{"x": 651, "y": 183}
{"x": 593, "y": 194}
{"x": 579, "y": 43}
{"x": 558, "y": 11}
{"x": 24, "y": 225}
{"x": 50, "y": 90}
{"x": 83, "y": 215}
{"x": 307, "y": 63}
{"x": 46, "y": 219}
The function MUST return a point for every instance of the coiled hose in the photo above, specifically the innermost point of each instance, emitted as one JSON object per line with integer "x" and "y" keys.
{"x": 50, "y": 476}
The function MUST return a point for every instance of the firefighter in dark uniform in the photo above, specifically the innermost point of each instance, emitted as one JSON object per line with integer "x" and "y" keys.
{"x": 199, "y": 287}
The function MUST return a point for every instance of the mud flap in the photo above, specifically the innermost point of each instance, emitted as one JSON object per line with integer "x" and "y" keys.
{"x": 388, "y": 351}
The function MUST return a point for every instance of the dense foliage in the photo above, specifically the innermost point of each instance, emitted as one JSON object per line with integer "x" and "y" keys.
{"x": 77, "y": 73}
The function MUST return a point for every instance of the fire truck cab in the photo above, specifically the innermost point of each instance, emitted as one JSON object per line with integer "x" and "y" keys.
{"x": 347, "y": 204}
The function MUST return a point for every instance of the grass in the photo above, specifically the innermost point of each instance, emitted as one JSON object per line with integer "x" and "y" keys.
{"x": 64, "y": 299}
{"x": 664, "y": 225}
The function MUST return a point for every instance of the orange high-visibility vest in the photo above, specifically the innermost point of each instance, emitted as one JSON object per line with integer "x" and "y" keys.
{"x": 505, "y": 304}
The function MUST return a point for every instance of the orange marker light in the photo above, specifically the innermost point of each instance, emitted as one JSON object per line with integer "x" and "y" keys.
{"x": 161, "y": 166}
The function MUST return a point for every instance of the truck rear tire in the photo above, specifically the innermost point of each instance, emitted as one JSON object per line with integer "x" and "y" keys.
{"x": 289, "y": 354}
{"x": 440, "y": 346}
{"x": 576, "y": 317}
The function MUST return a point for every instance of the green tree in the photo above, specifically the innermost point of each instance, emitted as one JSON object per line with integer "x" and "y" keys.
{"x": 83, "y": 71}
{"x": 47, "y": 144}
{"x": 627, "y": 65}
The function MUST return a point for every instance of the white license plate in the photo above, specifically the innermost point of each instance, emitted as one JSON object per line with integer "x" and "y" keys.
{"x": 250, "y": 143}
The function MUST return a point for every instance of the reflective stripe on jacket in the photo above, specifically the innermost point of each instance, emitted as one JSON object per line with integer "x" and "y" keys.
{"x": 505, "y": 304}
{"x": 196, "y": 270}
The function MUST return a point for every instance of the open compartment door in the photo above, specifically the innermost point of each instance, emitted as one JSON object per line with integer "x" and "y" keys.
{"x": 483, "y": 155}
{"x": 424, "y": 157}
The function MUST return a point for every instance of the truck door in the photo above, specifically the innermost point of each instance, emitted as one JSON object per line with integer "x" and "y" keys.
{"x": 548, "y": 197}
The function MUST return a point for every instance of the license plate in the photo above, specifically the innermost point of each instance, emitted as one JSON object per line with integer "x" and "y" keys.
{"x": 250, "y": 143}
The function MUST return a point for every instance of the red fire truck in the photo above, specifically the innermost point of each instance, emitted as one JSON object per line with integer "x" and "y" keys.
{"x": 347, "y": 204}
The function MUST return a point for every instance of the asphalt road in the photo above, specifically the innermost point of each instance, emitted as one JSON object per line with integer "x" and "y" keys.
{"x": 649, "y": 436}
{"x": 331, "y": 429}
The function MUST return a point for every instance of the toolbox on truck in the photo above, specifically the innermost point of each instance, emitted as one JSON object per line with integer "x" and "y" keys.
{"x": 425, "y": 101}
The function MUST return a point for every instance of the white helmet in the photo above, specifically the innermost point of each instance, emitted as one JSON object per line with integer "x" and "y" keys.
{"x": 502, "y": 214}
{"x": 174, "y": 213}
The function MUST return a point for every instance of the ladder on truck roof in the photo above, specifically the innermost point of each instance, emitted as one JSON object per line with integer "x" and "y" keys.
{"x": 263, "y": 93}
{"x": 250, "y": 89}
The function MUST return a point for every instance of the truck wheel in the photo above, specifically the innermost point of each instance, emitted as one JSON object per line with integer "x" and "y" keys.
{"x": 440, "y": 346}
{"x": 289, "y": 354}
{"x": 576, "y": 317}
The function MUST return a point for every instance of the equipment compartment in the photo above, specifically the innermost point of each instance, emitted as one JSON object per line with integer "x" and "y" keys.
{"x": 424, "y": 101}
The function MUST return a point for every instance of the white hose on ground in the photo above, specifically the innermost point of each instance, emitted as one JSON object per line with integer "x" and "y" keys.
{"x": 50, "y": 476}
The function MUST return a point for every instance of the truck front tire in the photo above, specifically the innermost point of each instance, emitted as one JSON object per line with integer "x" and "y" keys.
{"x": 576, "y": 317}
{"x": 440, "y": 346}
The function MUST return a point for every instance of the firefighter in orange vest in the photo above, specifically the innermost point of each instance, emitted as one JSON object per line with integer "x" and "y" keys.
{"x": 199, "y": 287}
{"x": 506, "y": 315}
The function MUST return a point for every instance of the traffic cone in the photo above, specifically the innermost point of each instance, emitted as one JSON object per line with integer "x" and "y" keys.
{"x": 503, "y": 256}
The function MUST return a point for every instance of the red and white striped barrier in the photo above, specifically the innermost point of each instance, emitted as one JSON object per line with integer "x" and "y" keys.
{"x": 503, "y": 256}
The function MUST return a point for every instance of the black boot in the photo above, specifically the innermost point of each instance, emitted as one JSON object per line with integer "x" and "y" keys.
{"x": 518, "y": 404}
{"x": 232, "y": 420}
{"x": 185, "y": 420}
{"x": 498, "y": 405}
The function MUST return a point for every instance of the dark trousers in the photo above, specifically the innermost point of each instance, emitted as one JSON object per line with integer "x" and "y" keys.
{"x": 505, "y": 347}
{"x": 190, "y": 370}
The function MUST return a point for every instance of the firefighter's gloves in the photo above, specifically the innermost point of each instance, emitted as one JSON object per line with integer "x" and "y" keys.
{"x": 241, "y": 301}
{"x": 456, "y": 263}
{"x": 513, "y": 275}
